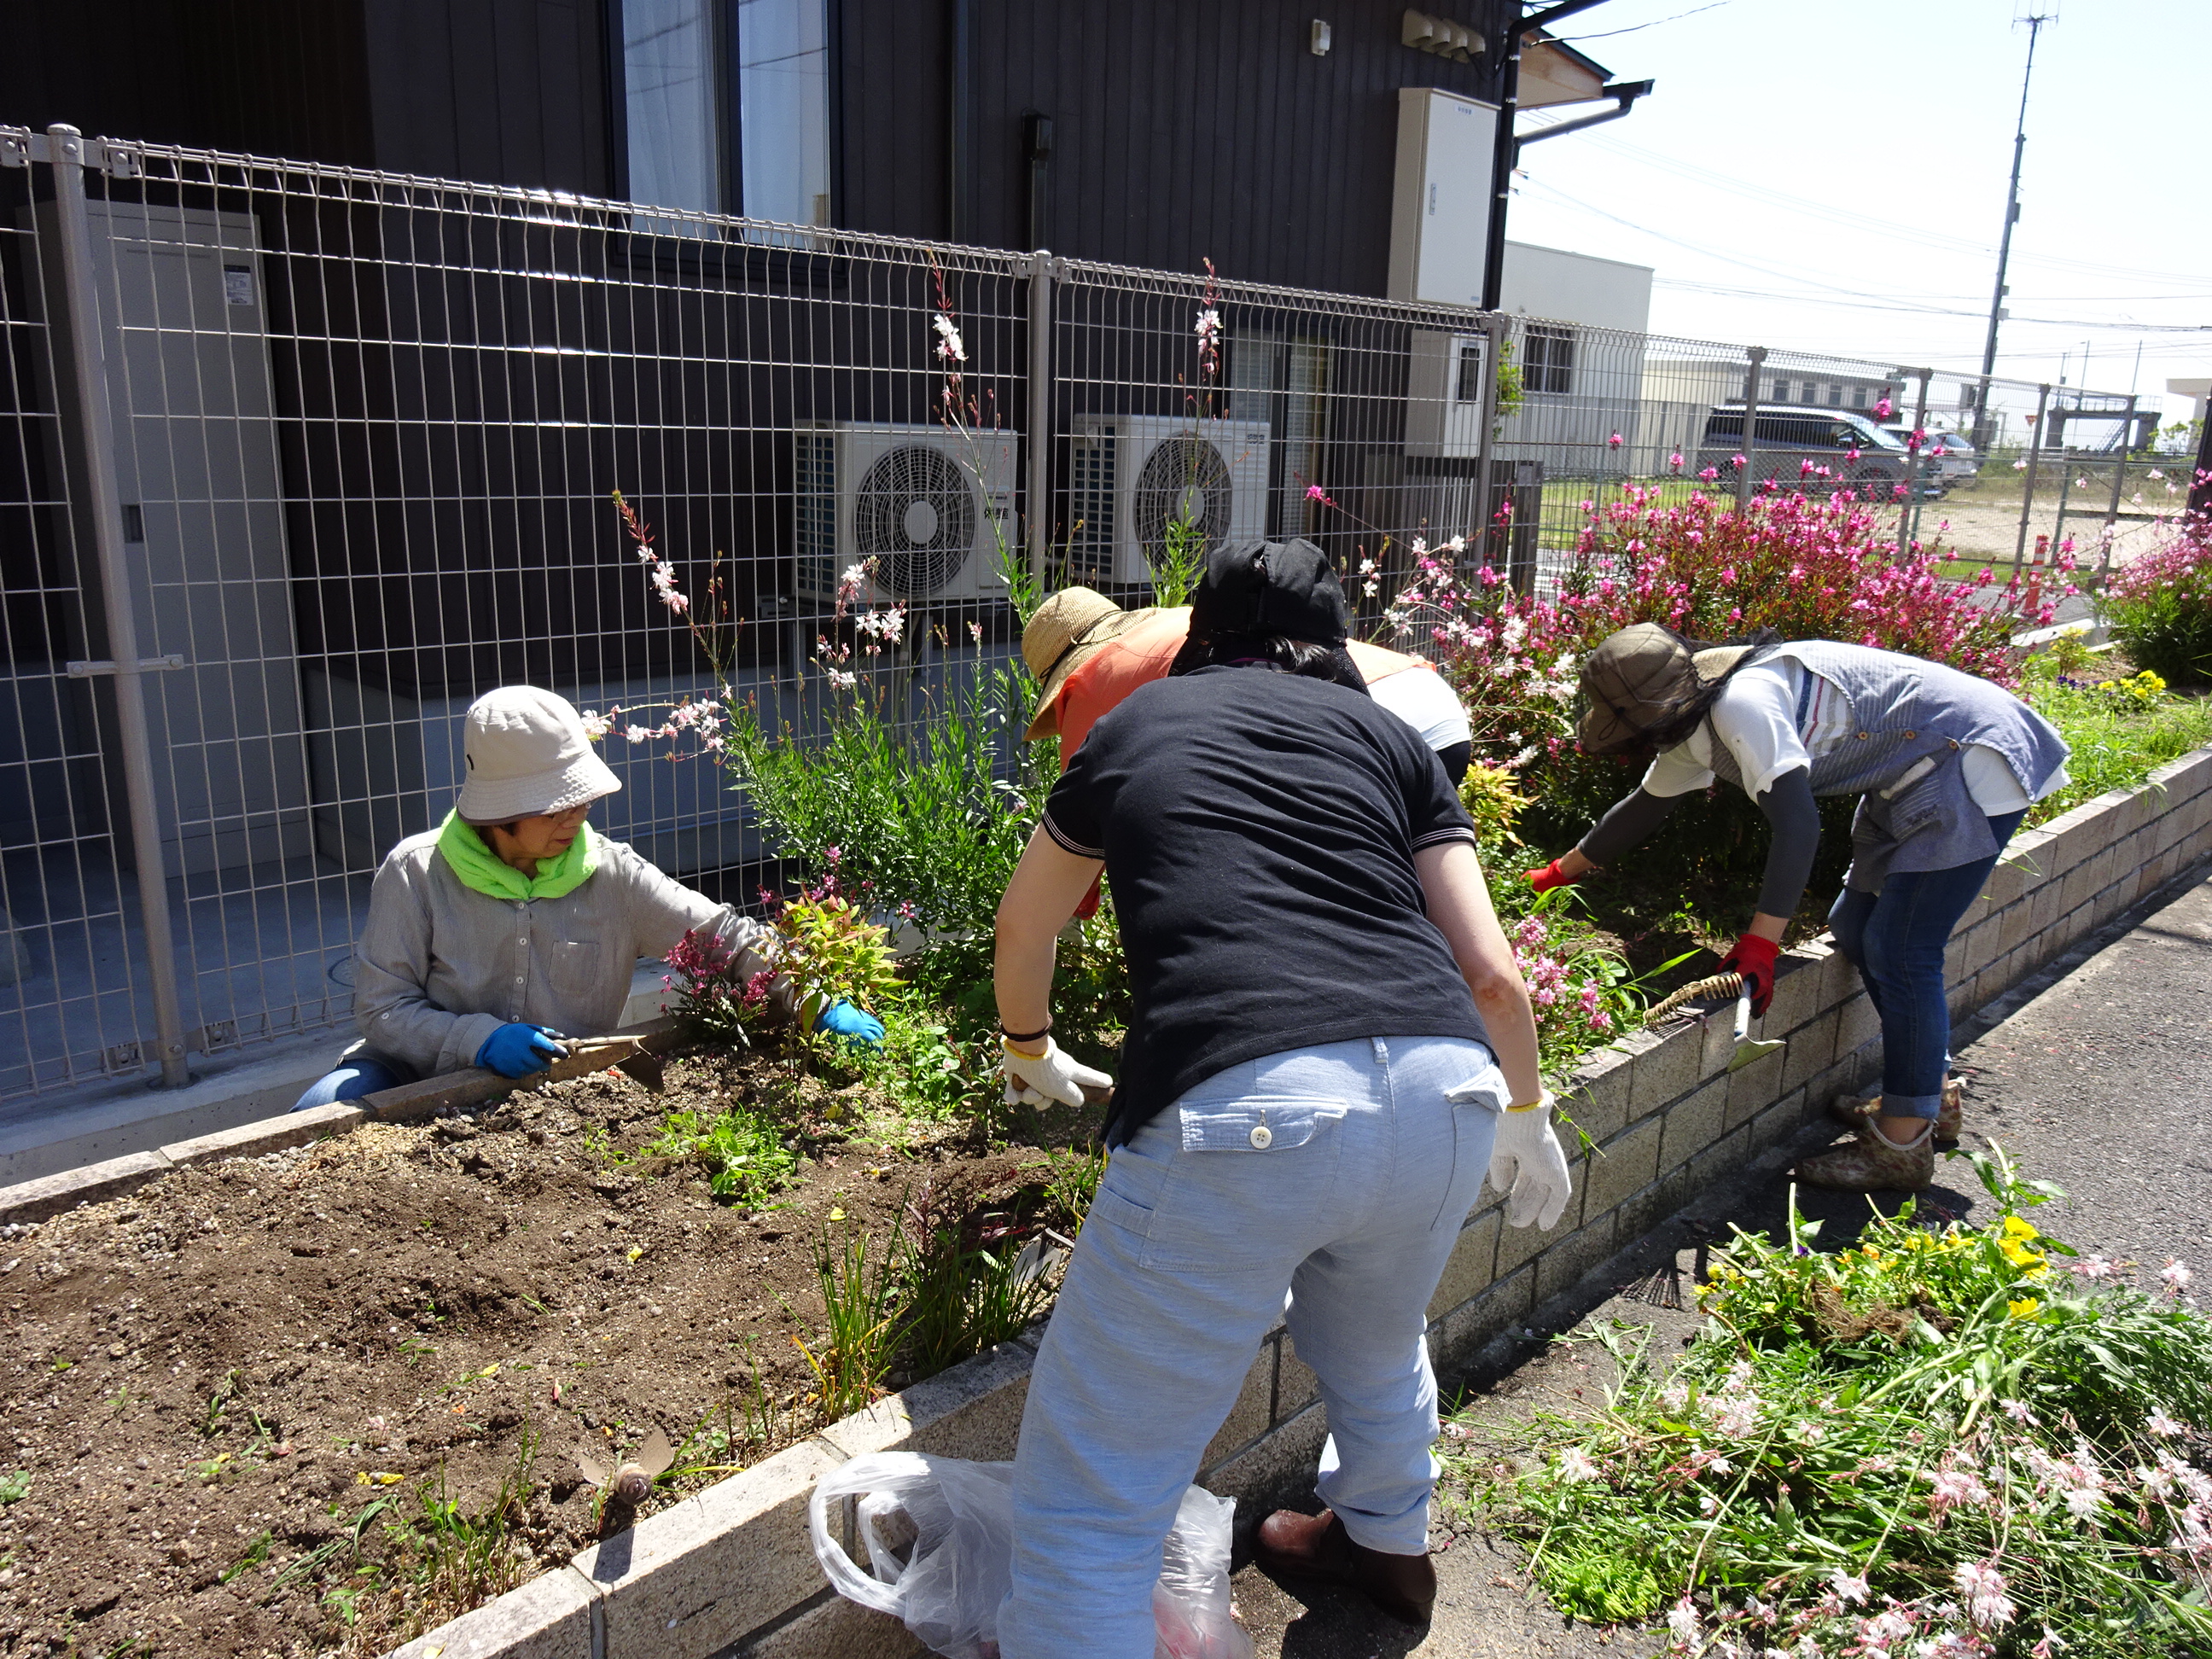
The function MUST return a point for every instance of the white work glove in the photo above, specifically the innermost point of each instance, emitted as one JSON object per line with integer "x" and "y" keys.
{"x": 1528, "y": 1167}
{"x": 1032, "y": 1079}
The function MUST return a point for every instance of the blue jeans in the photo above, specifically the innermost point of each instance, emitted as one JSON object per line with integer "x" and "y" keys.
{"x": 361, "y": 1075}
{"x": 1341, "y": 1174}
{"x": 1896, "y": 940}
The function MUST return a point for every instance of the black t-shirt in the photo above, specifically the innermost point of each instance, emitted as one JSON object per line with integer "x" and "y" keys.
{"x": 1259, "y": 829}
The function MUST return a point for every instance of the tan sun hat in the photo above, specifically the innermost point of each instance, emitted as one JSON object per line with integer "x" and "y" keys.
{"x": 1066, "y": 630}
{"x": 1643, "y": 679}
{"x": 525, "y": 753}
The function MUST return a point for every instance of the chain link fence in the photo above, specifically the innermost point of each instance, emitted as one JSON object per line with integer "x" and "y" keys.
{"x": 295, "y": 461}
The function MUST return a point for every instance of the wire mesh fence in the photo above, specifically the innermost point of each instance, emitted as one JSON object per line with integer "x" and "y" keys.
{"x": 298, "y": 460}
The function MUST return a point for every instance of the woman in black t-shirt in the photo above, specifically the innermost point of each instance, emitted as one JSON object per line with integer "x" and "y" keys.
{"x": 1330, "y": 1045}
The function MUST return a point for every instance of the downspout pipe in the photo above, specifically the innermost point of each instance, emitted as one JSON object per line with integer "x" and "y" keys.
{"x": 1626, "y": 93}
{"x": 1502, "y": 157}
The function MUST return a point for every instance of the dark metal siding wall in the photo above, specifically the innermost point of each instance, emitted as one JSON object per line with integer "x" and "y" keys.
{"x": 508, "y": 92}
{"x": 1181, "y": 130}
{"x": 276, "y": 77}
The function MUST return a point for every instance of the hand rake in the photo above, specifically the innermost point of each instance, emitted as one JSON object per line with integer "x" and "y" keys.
{"x": 1747, "y": 1048}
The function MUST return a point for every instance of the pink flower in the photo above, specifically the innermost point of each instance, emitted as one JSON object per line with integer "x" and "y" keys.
{"x": 1884, "y": 409}
{"x": 1674, "y": 460}
{"x": 1983, "y": 1587}
{"x": 1316, "y": 493}
{"x": 1738, "y": 462}
{"x": 1613, "y": 442}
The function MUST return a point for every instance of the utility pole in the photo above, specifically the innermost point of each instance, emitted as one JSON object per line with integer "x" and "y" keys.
{"x": 2035, "y": 21}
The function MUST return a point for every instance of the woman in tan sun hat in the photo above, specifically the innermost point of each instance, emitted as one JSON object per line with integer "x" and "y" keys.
{"x": 1087, "y": 653}
{"x": 1946, "y": 765}
{"x": 513, "y": 922}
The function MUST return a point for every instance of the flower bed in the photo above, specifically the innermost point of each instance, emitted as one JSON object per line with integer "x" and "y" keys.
{"x": 328, "y": 1397}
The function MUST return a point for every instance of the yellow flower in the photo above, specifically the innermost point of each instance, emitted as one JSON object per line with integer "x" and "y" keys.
{"x": 2017, "y": 1228}
{"x": 2026, "y": 1307}
{"x": 2017, "y": 1255}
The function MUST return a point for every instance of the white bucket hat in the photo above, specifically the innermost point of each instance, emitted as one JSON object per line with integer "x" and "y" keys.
{"x": 525, "y": 753}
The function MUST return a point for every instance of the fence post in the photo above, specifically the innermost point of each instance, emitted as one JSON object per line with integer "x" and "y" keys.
{"x": 1038, "y": 488}
{"x": 1493, "y": 334}
{"x": 2119, "y": 476}
{"x": 2027, "y": 490}
{"x": 79, "y": 297}
{"x": 1756, "y": 360}
{"x": 1912, "y": 465}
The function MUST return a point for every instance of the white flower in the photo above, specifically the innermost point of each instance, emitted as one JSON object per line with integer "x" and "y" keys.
{"x": 638, "y": 733}
{"x": 1209, "y": 326}
{"x": 2017, "y": 1410}
{"x": 596, "y": 725}
{"x": 1984, "y": 1586}
{"x": 2175, "y": 1276}
{"x": 2154, "y": 473}
{"x": 843, "y": 679}
{"x": 948, "y": 339}
{"x": 1850, "y": 1589}
{"x": 1574, "y": 1465}
{"x": 1682, "y": 1622}
{"x": 2159, "y": 1423}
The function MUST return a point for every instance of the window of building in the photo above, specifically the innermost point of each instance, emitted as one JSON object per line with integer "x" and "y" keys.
{"x": 1547, "y": 361}
{"x": 783, "y": 101}
{"x": 759, "y": 147}
{"x": 1468, "y": 388}
{"x": 1858, "y": 397}
{"x": 672, "y": 97}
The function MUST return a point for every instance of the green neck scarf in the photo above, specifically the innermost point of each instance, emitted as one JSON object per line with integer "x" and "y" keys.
{"x": 482, "y": 869}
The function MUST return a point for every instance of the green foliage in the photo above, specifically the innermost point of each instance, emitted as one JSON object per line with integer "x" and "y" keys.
{"x": 742, "y": 1152}
{"x": 856, "y": 1349}
{"x": 15, "y": 1488}
{"x": 830, "y": 945}
{"x": 965, "y": 1283}
{"x": 2160, "y": 605}
{"x": 1494, "y": 800}
{"x": 1931, "y": 1437}
{"x": 2119, "y": 737}
{"x": 1072, "y": 1184}
{"x": 1174, "y": 578}
{"x": 927, "y": 820}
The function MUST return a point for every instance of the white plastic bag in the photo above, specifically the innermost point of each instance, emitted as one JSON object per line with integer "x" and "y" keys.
{"x": 939, "y": 1533}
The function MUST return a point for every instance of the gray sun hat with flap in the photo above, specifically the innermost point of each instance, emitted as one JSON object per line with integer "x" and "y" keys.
{"x": 524, "y": 752}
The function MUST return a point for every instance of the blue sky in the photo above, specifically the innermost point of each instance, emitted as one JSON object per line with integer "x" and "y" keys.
{"x": 1830, "y": 177}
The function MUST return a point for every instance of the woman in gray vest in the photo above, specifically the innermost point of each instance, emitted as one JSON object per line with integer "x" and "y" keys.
{"x": 1946, "y": 765}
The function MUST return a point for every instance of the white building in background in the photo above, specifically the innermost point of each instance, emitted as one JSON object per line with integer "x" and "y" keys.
{"x": 1554, "y": 285}
{"x": 1578, "y": 340}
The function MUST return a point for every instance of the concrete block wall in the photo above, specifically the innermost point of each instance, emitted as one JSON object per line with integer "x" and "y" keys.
{"x": 728, "y": 1573}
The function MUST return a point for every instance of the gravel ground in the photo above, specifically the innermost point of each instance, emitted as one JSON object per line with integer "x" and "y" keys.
{"x": 2101, "y": 1083}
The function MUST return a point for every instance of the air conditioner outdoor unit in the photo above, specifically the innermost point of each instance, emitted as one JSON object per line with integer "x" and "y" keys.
{"x": 1133, "y": 476}
{"x": 928, "y": 506}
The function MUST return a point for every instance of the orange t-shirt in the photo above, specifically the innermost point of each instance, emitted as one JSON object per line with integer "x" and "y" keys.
{"x": 1145, "y": 653}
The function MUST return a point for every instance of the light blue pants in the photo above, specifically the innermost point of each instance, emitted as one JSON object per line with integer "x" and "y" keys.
{"x": 1341, "y": 1174}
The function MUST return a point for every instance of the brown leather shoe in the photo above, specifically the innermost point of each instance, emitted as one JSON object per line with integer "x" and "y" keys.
{"x": 1317, "y": 1547}
{"x": 1857, "y": 1113}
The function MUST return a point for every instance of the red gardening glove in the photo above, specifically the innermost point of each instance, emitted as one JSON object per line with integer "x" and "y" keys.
{"x": 1753, "y": 957}
{"x": 1550, "y": 876}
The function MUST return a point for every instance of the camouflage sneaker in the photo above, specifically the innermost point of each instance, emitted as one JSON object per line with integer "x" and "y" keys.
{"x": 1857, "y": 1113}
{"x": 1872, "y": 1164}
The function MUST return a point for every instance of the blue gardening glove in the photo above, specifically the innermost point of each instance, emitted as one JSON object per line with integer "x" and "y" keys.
{"x": 516, "y": 1049}
{"x": 856, "y": 1025}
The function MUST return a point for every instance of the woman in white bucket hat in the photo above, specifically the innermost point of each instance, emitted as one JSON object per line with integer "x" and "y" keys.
{"x": 513, "y": 922}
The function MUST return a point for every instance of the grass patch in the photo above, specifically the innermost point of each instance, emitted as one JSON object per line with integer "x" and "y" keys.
{"x": 2117, "y": 739}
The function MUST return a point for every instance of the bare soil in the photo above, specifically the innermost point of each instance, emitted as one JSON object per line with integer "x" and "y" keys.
{"x": 211, "y": 1382}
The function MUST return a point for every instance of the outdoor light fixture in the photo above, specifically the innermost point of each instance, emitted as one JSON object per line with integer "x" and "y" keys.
{"x": 1317, "y": 42}
{"x": 1443, "y": 37}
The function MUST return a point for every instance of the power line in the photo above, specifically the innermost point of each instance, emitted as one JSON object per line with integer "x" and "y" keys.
{"x": 1935, "y": 311}
{"x": 1568, "y": 40}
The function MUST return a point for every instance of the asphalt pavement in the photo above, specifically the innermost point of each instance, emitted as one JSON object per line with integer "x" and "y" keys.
{"x": 2096, "y": 1076}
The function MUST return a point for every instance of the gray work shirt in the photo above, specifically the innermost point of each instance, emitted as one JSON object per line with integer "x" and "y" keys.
{"x": 440, "y": 966}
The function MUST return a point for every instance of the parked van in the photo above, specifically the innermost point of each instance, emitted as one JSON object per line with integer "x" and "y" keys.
{"x": 1855, "y": 454}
